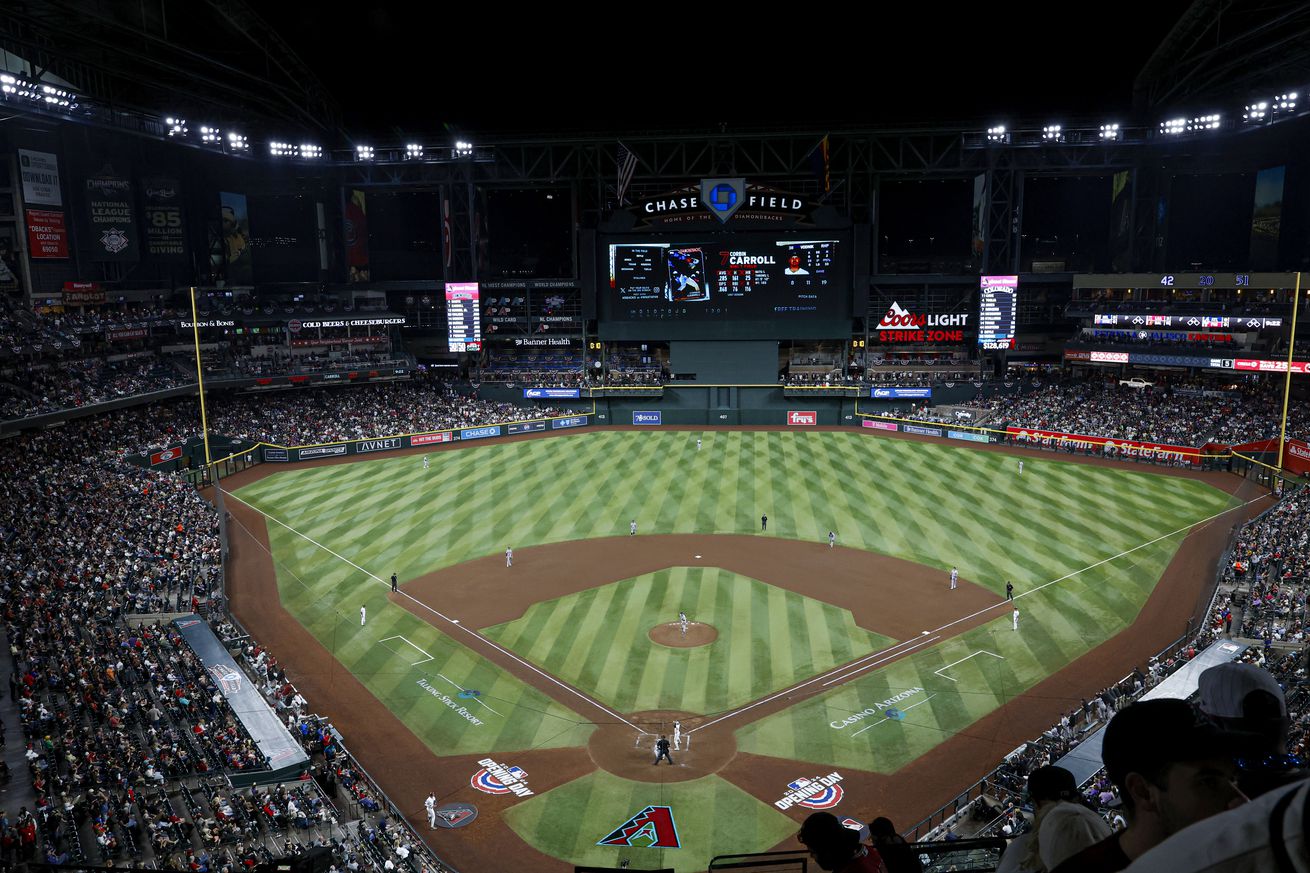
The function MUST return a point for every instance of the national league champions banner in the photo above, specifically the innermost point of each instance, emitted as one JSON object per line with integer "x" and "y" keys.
{"x": 111, "y": 218}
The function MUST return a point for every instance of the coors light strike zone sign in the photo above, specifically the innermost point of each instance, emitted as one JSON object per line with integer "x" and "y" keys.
{"x": 902, "y": 326}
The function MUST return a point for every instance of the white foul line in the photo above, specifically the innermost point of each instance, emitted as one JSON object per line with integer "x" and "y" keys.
{"x": 906, "y": 709}
{"x": 453, "y": 621}
{"x": 852, "y": 672}
{"x": 787, "y": 691}
{"x": 919, "y": 641}
{"x": 940, "y": 672}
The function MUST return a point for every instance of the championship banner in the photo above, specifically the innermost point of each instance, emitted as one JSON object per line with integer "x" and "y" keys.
{"x": 40, "y": 175}
{"x": 235, "y": 232}
{"x": 1126, "y": 448}
{"x": 47, "y": 237}
{"x": 165, "y": 234}
{"x": 1121, "y": 221}
{"x": 111, "y": 219}
{"x": 978, "y": 212}
{"x": 356, "y": 237}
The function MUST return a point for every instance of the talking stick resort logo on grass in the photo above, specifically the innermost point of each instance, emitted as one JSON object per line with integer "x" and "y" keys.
{"x": 496, "y": 778}
{"x": 652, "y": 828}
{"x": 821, "y": 792}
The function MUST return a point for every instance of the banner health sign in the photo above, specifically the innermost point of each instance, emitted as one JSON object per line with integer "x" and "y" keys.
{"x": 552, "y": 393}
{"x": 900, "y": 393}
{"x": 648, "y": 417}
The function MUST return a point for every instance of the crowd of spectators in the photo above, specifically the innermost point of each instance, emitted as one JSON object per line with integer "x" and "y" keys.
{"x": 1160, "y": 414}
{"x": 50, "y": 387}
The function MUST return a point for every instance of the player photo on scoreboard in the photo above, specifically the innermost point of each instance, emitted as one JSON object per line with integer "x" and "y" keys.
{"x": 807, "y": 263}
{"x": 687, "y": 282}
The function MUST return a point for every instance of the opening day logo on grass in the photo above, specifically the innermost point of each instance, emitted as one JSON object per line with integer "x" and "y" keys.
{"x": 652, "y": 828}
{"x": 496, "y": 778}
{"x": 821, "y": 792}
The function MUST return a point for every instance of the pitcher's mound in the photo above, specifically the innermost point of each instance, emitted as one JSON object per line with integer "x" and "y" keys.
{"x": 698, "y": 634}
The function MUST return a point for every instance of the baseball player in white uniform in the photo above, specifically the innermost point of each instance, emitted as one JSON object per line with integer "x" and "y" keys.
{"x": 431, "y": 806}
{"x": 362, "y": 615}
{"x": 509, "y": 557}
{"x": 425, "y": 462}
{"x": 832, "y": 539}
{"x": 677, "y": 736}
{"x": 1020, "y": 466}
{"x": 1016, "y": 618}
{"x": 955, "y": 578}
{"x": 698, "y": 444}
{"x": 632, "y": 528}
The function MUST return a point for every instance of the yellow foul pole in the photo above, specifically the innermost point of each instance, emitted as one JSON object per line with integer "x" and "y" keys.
{"x": 200, "y": 378}
{"x": 1287, "y": 383}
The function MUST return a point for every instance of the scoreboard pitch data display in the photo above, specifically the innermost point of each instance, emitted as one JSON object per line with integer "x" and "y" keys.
{"x": 755, "y": 277}
{"x": 996, "y": 311}
{"x": 463, "y": 317}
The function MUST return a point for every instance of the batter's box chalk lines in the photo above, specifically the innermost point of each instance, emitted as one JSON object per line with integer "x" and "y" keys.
{"x": 906, "y": 709}
{"x": 461, "y": 688}
{"x": 426, "y": 657}
{"x": 506, "y": 652}
{"x": 942, "y": 672}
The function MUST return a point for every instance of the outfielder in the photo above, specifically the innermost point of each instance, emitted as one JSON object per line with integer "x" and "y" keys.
{"x": 1020, "y": 466}
{"x": 698, "y": 444}
{"x": 425, "y": 462}
{"x": 362, "y": 615}
{"x": 955, "y": 578}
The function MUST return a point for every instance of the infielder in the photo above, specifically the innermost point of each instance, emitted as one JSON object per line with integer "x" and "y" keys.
{"x": 1015, "y": 616}
{"x": 632, "y": 528}
{"x": 832, "y": 539}
{"x": 362, "y": 615}
{"x": 955, "y": 578}
{"x": 509, "y": 557}
{"x": 431, "y": 806}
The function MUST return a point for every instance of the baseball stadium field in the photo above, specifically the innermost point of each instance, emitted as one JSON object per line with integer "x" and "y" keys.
{"x": 808, "y": 676}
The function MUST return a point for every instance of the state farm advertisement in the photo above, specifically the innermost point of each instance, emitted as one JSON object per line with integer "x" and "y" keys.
{"x": 899, "y": 325}
{"x": 1122, "y": 448}
{"x": 806, "y": 419}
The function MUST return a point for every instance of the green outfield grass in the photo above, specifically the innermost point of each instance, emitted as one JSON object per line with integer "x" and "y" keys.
{"x": 937, "y": 504}
{"x": 713, "y": 817}
{"x": 768, "y": 639}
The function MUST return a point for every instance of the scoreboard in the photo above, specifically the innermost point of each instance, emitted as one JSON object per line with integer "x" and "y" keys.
{"x": 996, "y": 311}
{"x": 463, "y": 318}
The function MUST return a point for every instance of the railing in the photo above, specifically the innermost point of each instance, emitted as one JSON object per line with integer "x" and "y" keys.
{"x": 965, "y": 856}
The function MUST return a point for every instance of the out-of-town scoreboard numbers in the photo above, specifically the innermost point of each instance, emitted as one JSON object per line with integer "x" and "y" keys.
{"x": 1189, "y": 281}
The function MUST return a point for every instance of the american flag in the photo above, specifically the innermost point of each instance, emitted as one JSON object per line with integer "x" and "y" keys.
{"x": 627, "y": 166}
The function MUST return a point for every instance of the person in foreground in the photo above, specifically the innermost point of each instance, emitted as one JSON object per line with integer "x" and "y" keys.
{"x": 1173, "y": 767}
{"x": 837, "y": 848}
{"x": 1062, "y": 828}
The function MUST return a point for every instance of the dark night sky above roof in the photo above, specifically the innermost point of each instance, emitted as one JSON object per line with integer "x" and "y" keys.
{"x": 469, "y": 70}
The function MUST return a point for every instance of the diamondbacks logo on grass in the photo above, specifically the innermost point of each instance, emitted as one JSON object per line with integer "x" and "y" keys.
{"x": 821, "y": 792}
{"x": 495, "y": 778}
{"x": 652, "y": 828}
